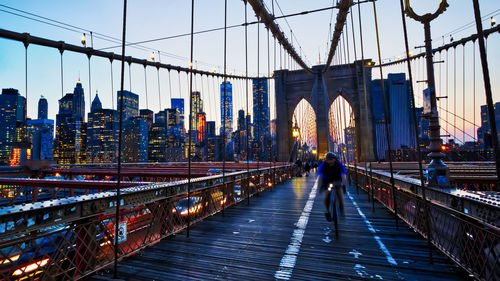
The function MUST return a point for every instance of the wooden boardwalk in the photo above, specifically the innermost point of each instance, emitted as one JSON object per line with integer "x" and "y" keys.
{"x": 276, "y": 236}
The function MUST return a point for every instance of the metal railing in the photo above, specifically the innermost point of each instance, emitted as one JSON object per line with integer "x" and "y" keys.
{"x": 468, "y": 240}
{"x": 70, "y": 238}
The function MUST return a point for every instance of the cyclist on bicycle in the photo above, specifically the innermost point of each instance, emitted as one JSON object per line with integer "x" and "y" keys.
{"x": 332, "y": 171}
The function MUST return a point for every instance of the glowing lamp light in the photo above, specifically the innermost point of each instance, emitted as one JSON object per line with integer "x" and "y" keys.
{"x": 314, "y": 151}
{"x": 295, "y": 132}
{"x": 30, "y": 267}
{"x": 190, "y": 64}
{"x": 445, "y": 148}
{"x": 84, "y": 40}
{"x": 153, "y": 56}
{"x": 10, "y": 259}
{"x": 269, "y": 184}
{"x": 493, "y": 21}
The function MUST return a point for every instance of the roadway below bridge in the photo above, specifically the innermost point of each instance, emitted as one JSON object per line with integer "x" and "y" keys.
{"x": 282, "y": 234}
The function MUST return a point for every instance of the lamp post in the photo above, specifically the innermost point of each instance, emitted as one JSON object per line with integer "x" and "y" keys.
{"x": 296, "y": 135}
{"x": 437, "y": 172}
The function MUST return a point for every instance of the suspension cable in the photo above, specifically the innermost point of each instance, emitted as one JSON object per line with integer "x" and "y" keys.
{"x": 415, "y": 125}
{"x": 146, "y": 86}
{"x": 247, "y": 127}
{"x": 62, "y": 73}
{"x": 90, "y": 83}
{"x": 224, "y": 107}
{"x": 130, "y": 75}
{"x": 387, "y": 128}
{"x": 112, "y": 88}
{"x": 454, "y": 91}
{"x": 363, "y": 64}
{"x": 170, "y": 87}
{"x": 463, "y": 92}
{"x": 474, "y": 82}
{"x": 159, "y": 91}
{"x": 118, "y": 180}
{"x": 191, "y": 119}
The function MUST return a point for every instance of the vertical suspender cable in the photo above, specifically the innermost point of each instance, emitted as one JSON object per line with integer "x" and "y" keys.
{"x": 62, "y": 73}
{"x": 487, "y": 88}
{"x": 447, "y": 90}
{"x": 347, "y": 42}
{"x": 386, "y": 116}
{"x": 146, "y": 87}
{"x": 363, "y": 69}
{"x": 355, "y": 144}
{"x": 190, "y": 118}
{"x": 118, "y": 180}
{"x": 454, "y": 93}
{"x": 179, "y": 79}
{"x": 159, "y": 91}
{"x": 112, "y": 87}
{"x": 246, "y": 91}
{"x": 274, "y": 84}
{"x": 415, "y": 127}
{"x": 170, "y": 87}
{"x": 269, "y": 104}
{"x": 258, "y": 101}
{"x": 90, "y": 82}
{"x": 463, "y": 94}
{"x": 224, "y": 108}
{"x": 130, "y": 75}
{"x": 24, "y": 139}
{"x": 474, "y": 83}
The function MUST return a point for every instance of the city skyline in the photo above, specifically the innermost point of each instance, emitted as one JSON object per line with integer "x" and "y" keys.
{"x": 209, "y": 57}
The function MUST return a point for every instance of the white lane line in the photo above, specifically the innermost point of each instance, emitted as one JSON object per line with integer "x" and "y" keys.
{"x": 381, "y": 245}
{"x": 290, "y": 258}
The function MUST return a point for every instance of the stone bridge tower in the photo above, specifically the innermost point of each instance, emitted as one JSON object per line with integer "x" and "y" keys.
{"x": 320, "y": 90}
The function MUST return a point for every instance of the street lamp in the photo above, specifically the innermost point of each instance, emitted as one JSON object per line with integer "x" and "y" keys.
{"x": 493, "y": 21}
{"x": 295, "y": 132}
{"x": 84, "y": 40}
{"x": 437, "y": 172}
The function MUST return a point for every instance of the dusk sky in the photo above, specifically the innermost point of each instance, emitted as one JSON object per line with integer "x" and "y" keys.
{"x": 154, "y": 19}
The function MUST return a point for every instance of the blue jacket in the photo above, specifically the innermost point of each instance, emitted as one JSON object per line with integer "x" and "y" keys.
{"x": 327, "y": 173}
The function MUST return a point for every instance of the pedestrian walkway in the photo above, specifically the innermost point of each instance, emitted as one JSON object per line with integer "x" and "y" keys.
{"x": 282, "y": 234}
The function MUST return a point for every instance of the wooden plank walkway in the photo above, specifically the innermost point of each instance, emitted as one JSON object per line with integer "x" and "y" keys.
{"x": 251, "y": 241}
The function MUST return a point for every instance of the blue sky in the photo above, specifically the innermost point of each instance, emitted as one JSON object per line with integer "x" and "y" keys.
{"x": 164, "y": 18}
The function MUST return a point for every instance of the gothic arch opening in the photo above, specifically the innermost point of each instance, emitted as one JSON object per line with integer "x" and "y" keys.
{"x": 304, "y": 122}
{"x": 342, "y": 129}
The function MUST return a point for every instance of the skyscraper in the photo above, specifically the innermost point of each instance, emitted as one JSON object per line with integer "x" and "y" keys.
{"x": 42, "y": 108}
{"x": 147, "y": 115}
{"x": 78, "y": 102}
{"x": 135, "y": 140}
{"x": 227, "y": 108}
{"x": 196, "y": 107}
{"x": 179, "y": 105}
{"x": 397, "y": 93}
{"x": 71, "y": 129}
{"x": 202, "y": 126}
{"x": 261, "y": 121}
{"x": 130, "y": 104}
{"x": 241, "y": 120}
{"x": 41, "y": 134}
{"x": 102, "y": 134}
{"x": 12, "y": 122}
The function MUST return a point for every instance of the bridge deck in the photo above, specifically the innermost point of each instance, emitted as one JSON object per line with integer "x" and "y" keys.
{"x": 250, "y": 242}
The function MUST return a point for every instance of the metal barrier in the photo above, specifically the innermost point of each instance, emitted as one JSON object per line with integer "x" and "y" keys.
{"x": 470, "y": 242}
{"x": 70, "y": 238}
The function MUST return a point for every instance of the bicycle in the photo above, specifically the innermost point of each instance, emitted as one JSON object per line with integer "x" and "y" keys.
{"x": 334, "y": 211}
